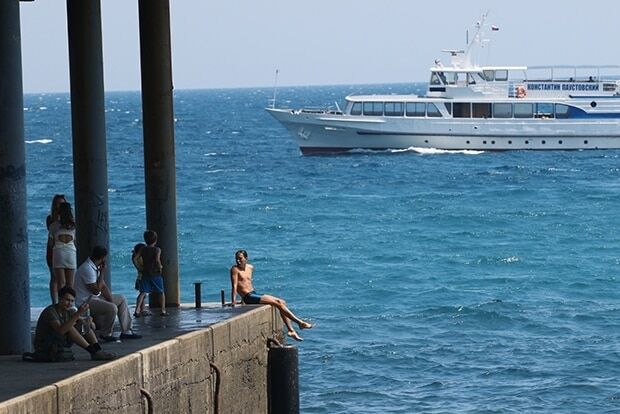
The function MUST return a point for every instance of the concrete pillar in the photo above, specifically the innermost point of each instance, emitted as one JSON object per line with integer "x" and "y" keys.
{"x": 88, "y": 126}
{"x": 159, "y": 152}
{"x": 14, "y": 278}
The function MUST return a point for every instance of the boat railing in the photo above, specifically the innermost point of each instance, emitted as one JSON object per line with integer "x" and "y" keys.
{"x": 328, "y": 111}
{"x": 579, "y": 73}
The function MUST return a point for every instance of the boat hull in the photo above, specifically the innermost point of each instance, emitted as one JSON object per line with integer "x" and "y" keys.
{"x": 324, "y": 133}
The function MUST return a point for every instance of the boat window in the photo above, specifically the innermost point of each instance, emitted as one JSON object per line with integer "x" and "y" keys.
{"x": 416, "y": 109}
{"x": 393, "y": 109}
{"x": 373, "y": 108}
{"x": 461, "y": 110}
{"x": 524, "y": 110}
{"x": 471, "y": 80}
{"x": 452, "y": 78}
{"x": 449, "y": 107}
{"x": 501, "y": 75}
{"x": 435, "y": 78}
{"x": 481, "y": 110}
{"x": 488, "y": 74}
{"x": 502, "y": 110}
{"x": 356, "y": 109}
{"x": 432, "y": 111}
{"x": 561, "y": 111}
{"x": 544, "y": 110}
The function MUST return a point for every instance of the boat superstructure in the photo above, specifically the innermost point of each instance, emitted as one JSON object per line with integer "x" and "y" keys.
{"x": 472, "y": 107}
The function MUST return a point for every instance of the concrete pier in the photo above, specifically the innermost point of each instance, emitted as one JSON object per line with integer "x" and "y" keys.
{"x": 171, "y": 364}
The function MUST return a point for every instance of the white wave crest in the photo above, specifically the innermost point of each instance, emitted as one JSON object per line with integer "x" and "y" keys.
{"x": 39, "y": 141}
{"x": 433, "y": 151}
{"x": 418, "y": 150}
{"x": 225, "y": 170}
{"x": 511, "y": 259}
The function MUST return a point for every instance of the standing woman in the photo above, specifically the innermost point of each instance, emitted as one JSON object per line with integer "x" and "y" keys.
{"x": 52, "y": 217}
{"x": 62, "y": 238}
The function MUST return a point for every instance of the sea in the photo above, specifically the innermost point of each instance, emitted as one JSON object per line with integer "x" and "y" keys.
{"x": 438, "y": 281}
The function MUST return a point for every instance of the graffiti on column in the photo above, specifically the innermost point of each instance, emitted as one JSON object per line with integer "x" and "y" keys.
{"x": 99, "y": 226}
{"x": 11, "y": 173}
{"x": 11, "y": 181}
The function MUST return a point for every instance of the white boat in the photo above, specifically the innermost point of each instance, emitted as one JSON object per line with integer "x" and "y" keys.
{"x": 472, "y": 107}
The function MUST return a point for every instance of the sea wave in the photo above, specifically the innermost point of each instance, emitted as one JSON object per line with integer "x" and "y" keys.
{"x": 40, "y": 141}
{"x": 435, "y": 151}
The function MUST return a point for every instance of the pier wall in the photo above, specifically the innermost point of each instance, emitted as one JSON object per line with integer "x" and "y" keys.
{"x": 176, "y": 374}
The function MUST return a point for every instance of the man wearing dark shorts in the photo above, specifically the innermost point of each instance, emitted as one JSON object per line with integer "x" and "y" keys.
{"x": 241, "y": 281}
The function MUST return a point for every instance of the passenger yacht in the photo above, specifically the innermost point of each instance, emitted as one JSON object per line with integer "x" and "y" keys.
{"x": 472, "y": 107}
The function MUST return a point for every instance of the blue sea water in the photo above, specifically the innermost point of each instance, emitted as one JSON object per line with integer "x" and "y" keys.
{"x": 441, "y": 282}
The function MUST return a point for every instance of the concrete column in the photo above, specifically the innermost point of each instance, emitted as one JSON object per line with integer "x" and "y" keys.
{"x": 159, "y": 152}
{"x": 88, "y": 126}
{"x": 14, "y": 278}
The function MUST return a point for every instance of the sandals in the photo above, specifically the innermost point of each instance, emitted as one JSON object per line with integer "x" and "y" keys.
{"x": 148, "y": 313}
{"x": 143, "y": 313}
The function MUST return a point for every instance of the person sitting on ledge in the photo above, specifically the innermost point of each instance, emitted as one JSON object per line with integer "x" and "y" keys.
{"x": 104, "y": 305}
{"x": 56, "y": 330}
{"x": 241, "y": 280}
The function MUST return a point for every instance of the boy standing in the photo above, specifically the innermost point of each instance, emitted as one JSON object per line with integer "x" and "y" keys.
{"x": 152, "y": 280}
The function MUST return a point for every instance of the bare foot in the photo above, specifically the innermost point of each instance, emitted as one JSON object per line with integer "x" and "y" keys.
{"x": 305, "y": 325}
{"x": 294, "y": 335}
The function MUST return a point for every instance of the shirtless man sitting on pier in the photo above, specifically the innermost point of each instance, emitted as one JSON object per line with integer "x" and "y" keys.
{"x": 241, "y": 280}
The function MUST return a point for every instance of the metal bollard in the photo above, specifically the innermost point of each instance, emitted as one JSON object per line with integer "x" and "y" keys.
{"x": 222, "y": 296}
{"x": 283, "y": 380}
{"x": 198, "y": 293}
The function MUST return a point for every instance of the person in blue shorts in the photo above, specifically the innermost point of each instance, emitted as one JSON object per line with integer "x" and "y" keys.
{"x": 152, "y": 279}
{"x": 241, "y": 281}
{"x": 138, "y": 263}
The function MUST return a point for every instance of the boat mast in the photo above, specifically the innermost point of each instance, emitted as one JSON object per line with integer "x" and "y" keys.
{"x": 275, "y": 90}
{"x": 476, "y": 39}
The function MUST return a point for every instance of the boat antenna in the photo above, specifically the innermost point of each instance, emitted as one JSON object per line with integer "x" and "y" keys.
{"x": 477, "y": 38}
{"x": 275, "y": 90}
